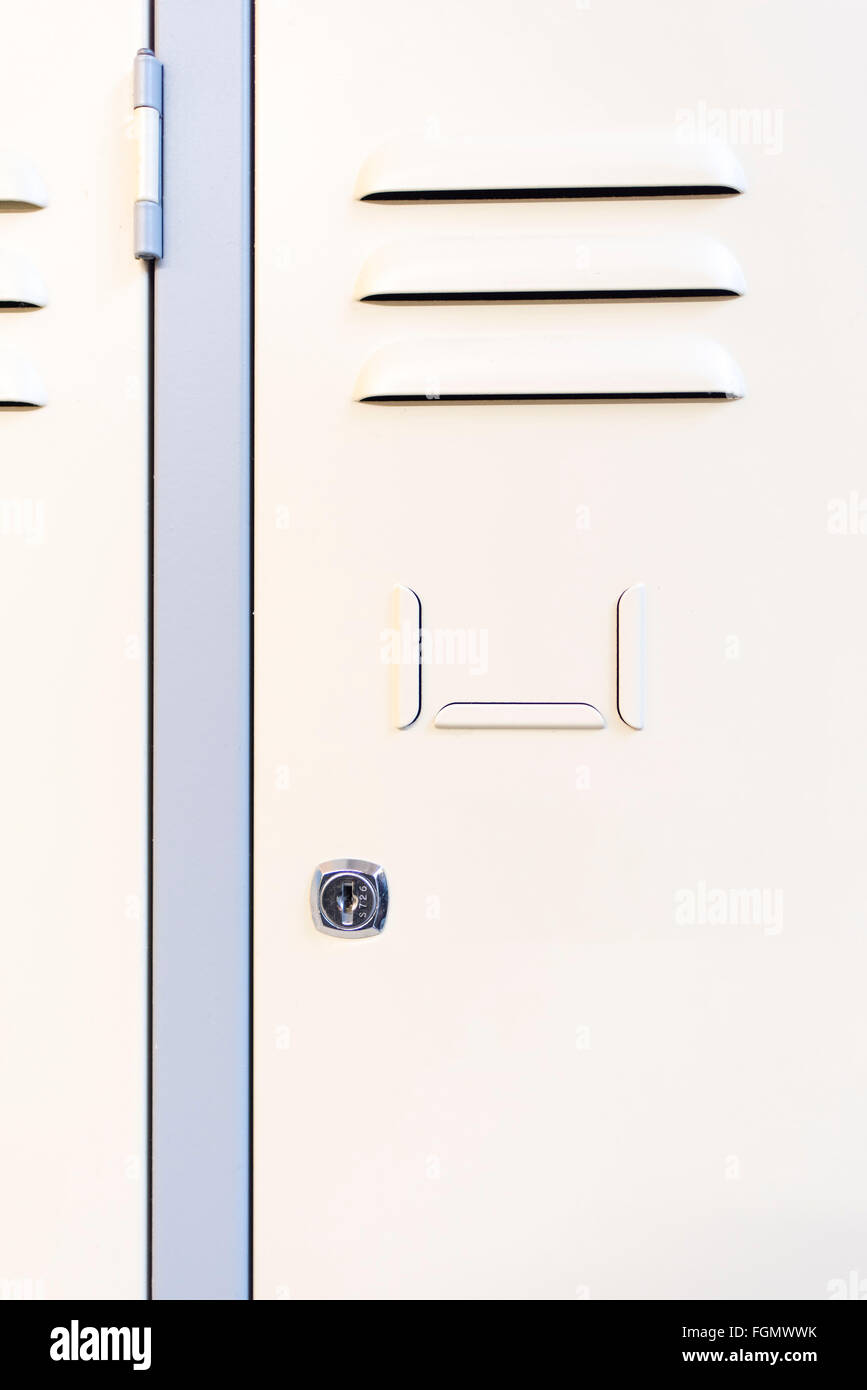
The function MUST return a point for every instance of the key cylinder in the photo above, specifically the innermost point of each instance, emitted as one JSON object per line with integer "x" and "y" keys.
{"x": 349, "y": 898}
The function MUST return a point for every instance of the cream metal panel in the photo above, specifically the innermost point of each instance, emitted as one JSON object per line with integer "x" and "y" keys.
{"x": 73, "y": 615}
{"x": 611, "y": 1041}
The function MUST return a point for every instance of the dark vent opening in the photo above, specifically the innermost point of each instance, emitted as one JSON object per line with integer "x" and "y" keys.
{"x": 540, "y": 296}
{"x": 525, "y": 195}
{"x": 506, "y": 397}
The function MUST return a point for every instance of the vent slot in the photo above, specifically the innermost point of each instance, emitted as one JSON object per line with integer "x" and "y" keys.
{"x": 550, "y": 367}
{"x": 541, "y": 195}
{"x": 21, "y": 285}
{"x": 21, "y": 188}
{"x": 20, "y": 386}
{"x": 502, "y": 270}
{"x": 611, "y": 165}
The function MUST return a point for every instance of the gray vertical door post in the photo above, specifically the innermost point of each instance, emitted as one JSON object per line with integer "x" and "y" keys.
{"x": 201, "y": 658}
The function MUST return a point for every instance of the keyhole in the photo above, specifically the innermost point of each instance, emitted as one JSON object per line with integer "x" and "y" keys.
{"x": 347, "y": 901}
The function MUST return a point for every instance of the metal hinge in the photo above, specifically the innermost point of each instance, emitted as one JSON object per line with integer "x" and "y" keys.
{"x": 148, "y": 116}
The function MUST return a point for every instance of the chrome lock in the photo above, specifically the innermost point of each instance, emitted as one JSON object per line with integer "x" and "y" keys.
{"x": 349, "y": 897}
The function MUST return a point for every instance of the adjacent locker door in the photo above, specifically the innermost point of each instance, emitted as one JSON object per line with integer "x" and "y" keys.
{"x": 73, "y": 616}
{"x": 611, "y": 1041}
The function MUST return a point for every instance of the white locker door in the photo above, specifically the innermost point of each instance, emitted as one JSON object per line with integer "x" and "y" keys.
{"x": 73, "y": 616}
{"x": 611, "y": 1040}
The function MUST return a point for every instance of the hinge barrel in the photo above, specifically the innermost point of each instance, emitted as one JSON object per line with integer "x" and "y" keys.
{"x": 148, "y": 104}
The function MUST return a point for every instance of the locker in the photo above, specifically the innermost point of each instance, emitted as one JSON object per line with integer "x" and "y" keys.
{"x": 433, "y": 796}
{"x": 558, "y": 594}
{"x": 74, "y": 460}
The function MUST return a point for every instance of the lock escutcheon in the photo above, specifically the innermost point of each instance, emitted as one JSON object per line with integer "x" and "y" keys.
{"x": 349, "y": 898}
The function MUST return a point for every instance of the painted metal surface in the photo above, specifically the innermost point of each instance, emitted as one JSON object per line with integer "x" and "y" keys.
{"x": 74, "y": 620}
{"x": 612, "y": 1041}
{"x": 534, "y": 163}
{"x": 21, "y": 184}
{"x": 201, "y": 913}
{"x": 406, "y": 656}
{"x": 512, "y": 714}
{"x": 632, "y": 656}
{"x": 21, "y": 285}
{"x": 500, "y": 269}
{"x": 21, "y": 386}
{"x": 530, "y": 366}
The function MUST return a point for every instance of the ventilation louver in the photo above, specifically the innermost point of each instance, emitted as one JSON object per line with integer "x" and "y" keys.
{"x": 622, "y": 164}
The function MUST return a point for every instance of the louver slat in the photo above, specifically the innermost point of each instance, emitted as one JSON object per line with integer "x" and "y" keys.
{"x": 21, "y": 285}
{"x": 550, "y": 367}
{"x": 627, "y": 164}
{"x": 503, "y": 269}
{"x": 20, "y": 387}
{"x": 21, "y": 187}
